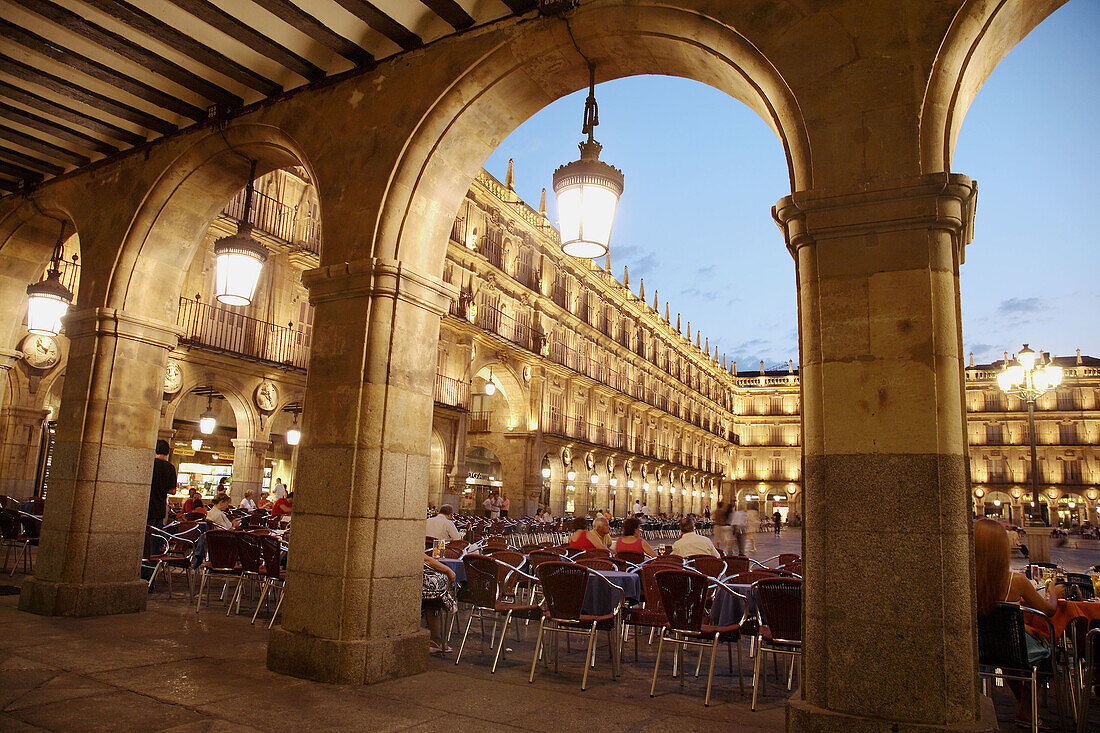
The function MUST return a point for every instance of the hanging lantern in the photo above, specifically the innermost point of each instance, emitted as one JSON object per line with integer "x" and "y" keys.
{"x": 490, "y": 387}
{"x": 293, "y": 434}
{"x": 208, "y": 421}
{"x": 240, "y": 258}
{"x": 49, "y": 300}
{"x": 196, "y": 444}
{"x": 587, "y": 190}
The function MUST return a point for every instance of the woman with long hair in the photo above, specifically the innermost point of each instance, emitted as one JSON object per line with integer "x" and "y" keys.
{"x": 996, "y": 583}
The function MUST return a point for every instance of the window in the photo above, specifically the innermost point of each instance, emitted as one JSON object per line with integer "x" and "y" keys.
{"x": 994, "y": 402}
{"x": 776, "y": 468}
{"x": 1067, "y": 434}
{"x": 1065, "y": 400}
{"x": 994, "y": 434}
{"x": 996, "y": 470}
{"x": 304, "y": 327}
{"x": 1071, "y": 472}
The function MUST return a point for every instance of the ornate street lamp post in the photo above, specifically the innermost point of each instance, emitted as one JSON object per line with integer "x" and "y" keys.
{"x": 1029, "y": 377}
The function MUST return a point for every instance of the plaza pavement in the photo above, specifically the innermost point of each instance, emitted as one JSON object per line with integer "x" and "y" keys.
{"x": 172, "y": 669}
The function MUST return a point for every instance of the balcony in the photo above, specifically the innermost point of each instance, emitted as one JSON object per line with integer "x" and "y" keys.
{"x": 479, "y": 422}
{"x": 224, "y": 330}
{"x": 276, "y": 219}
{"x": 451, "y": 392}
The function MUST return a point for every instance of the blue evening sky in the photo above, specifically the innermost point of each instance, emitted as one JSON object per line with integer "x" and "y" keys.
{"x": 703, "y": 170}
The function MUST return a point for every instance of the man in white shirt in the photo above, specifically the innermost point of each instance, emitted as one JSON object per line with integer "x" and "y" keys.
{"x": 279, "y": 491}
{"x": 645, "y": 510}
{"x": 691, "y": 543}
{"x": 637, "y": 508}
{"x": 441, "y": 527}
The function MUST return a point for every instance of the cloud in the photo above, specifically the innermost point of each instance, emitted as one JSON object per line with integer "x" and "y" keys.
{"x": 1022, "y": 305}
{"x": 705, "y": 271}
{"x": 643, "y": 262}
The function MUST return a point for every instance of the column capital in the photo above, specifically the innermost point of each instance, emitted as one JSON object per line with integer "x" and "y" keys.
{"x": 122, "y": 325}
{"x": 251, "y": 443}
{"x": 944, "y": 201}
{"x": 25, "y": 415}
{"x": 376, "y": 276}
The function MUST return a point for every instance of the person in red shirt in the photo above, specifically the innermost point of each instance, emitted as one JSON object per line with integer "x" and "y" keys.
{"x": 284, "y": 506}
{"x": 194, "y": 504}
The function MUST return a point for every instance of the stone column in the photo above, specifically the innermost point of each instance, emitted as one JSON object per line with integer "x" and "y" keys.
{"x": 248, "y": 467}
{"x": 21, "y": 428}
{"x": 102, "y": 464}
{"x": 886, "y": 484}
{"x": 362, "y": 479}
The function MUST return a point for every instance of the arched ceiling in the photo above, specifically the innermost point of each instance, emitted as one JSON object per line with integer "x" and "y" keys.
{"x": 84, "y": 79}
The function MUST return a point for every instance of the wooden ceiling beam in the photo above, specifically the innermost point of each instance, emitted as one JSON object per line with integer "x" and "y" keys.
{"x": 125, "y": 48}
{"x": 69, "y": 115}
{"x": 451, "y": 12}
{"x": 520, "y": 6}
{"x": 38, "y": 145}
{"x": 27, "y": 166}
{"x": 27, "y": 119}
{"x": 56, "y": 84}
{"x": 384, "y": 24}
{"x": 161, "y": 32}
{"x": 231, "y": 26}
{"x": 305, "y": 23}
{"x": 102, "y": 72}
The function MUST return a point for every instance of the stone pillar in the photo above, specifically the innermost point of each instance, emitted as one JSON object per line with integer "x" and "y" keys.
{"x": 362, "y": 479}
{"x": 248, "y": 467}
{"x": 21, "y": 428}
{"x": 886, "y": 484}
{"x": 89, "y": 560}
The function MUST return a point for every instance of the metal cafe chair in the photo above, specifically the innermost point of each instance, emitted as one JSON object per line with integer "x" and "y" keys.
{"x": 485, "y": 586}
{"x": 634, "y": 558}
{"x": 17, "y": 539}
{"x": 1088, "y": 679}
{"x": 736, "y": 564}
{"x": 563, "y": 586}
{"x": 178, "y": 551}
{"x": 221, "y": 554}
{"x": 596, "y": 563}
{"x": 250, "y": 557}
{"x": 684, "y": 596}
{"x": 651, "y": 614}
{"x": 779, "y": 619}
{"x": 1002, "y": 652}
{"x": 712, "y": 567}
{"x": 274, "y": 577}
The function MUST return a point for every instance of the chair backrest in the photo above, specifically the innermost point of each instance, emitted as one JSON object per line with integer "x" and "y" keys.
{"x": 666, "y": 560}
{"x": 649, "y": 585}
{"x": 684, "y": 598}
{"x": 596, "y": 563}
{"x": 792, "y": 567}
{"x": 631, "y": 556}
{"x": 452, "y": 553}
{"x": 9, "y": 524}
{"x": 621, "y": 564}
{"x": 529, "y": 548}
{"x": 557, "y": 550}
{"x": 736, "y": 564}
{"x": 708, "y": 565}
{"x": 221, "y": 549}
{"x": 788, "y": 557}
{"x": 540, "y": 556}
{"x": 482, "y": 579}
{"x": 563, "y": 586}
{"x": 147, "y": 549}
{"x": 750, "y": 577}
{"x": 249, "y": 552}
{"x": 511, "y": 557}
{"x": 598, "y": 552}
{"x": 1078, "y": 587}
{"x": 272, "y": 553}
{"x": 496, "y": 542}
{"x": 779, "y": 601}
{"x": 1002, "y": 640}
{"x": 429, "y": 543}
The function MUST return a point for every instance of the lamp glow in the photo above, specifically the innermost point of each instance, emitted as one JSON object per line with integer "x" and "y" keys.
{"x": 571, "y": 474}
{"x": 546, "y": 473}
{"x": 208, "y": 421}
{"x": 239, "y": 257}
{"x": 594, "y": 478}
{"x": 196, "y": 444}
{"x": 48, "y": 300}
{"x": 1026, "y": 357}
{"x": 293, "y": 436}
{"x": 490, "y": 387}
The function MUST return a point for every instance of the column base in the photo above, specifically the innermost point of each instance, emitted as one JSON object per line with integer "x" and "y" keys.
{"x": 49, "y": 598}
{"x": 347, "y": 662}
{"x": 803, "y": 717}
{"x": 1038, "y": 543}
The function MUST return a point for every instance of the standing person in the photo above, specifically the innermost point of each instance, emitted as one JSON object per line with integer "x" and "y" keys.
{"x": 752, "y": 524}
{"x": 164, "y": 480}
{"x": 645, "y": 510}
{"x": 505, "y": 507}
{"x": 494, "y": 506}
{"x": 637, "y": 510}
{"x": 279, "y": 491}
{"x": 739, "y": 526}
{"x": 487, "y": 505}
{"x": 722, "y": 528}
{"x": 777, "y": 519}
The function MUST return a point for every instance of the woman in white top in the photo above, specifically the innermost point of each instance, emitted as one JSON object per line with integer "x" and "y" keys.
{"x": 247, "y": 503}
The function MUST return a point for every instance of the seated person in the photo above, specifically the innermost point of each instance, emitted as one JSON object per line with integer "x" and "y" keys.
{"x": 996, "y": 583}
{"x": 594, "y": 539}
{"x": 247, "y": 503}
{"x": 194, "y": 504}
{"x": 691, "y": 543}
{"x": 284, "y": 506}
{"x": 264, "y": 501}
{"x": 441, "y": 527}
{"x": 435, "y": 596}
{"x": 216, "y": 514}
{"x": 632, "y": 541}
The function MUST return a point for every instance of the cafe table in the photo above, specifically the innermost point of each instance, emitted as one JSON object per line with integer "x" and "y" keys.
{"x": 600, "y": 599}
{"x": 456, "y": 566}
{"x": 728, "y": 609}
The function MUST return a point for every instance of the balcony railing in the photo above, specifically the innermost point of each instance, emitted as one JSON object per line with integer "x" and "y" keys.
{"x": 452, "y": 392}
{"x": 493, "y": 319}
{"x": 274, "y": 218}
{"x": 479, "y": 422}
{"x": 222, "y": 329}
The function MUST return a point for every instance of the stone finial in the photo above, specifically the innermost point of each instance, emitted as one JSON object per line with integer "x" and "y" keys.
{"x": 542, "y": 204}
{"x": 626, "y": 276}
{"x": 707, "y": 349}
{"x": 667, "y": 319}
{"x": 697, "y": 340}
{"x": 790, "y": 366}
{"x": 723, "y": 360}
{"x": 761, "y": 367}
{"x": 678, "y": 323}
{"x": 971, "y": 358}
{"x": 510, "y": 179}
{"x": 733, "y": 368}
{"x": 641, "y": 290}
{"x": 655, "y": 305}
{"x": 689, "y": 331}
{"x": 715, "y": 353}
{"x": 1079, "y": 362}
{"x": 607, "y": 261}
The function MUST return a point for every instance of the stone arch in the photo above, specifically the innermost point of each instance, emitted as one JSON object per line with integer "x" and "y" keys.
{"x": 168, "y": 226}
{"x": 508, "y": 382}
{"x": 505, "y": 87}
{"x": 980, "y": 36}
{"x": 437, "y": 453}
{"x": 245, "y": 414}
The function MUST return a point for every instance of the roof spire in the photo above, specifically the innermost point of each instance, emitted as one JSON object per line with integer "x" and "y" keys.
{"x": 697, "y": 339}
{"x": 1079, "y": 362}
{"x": 667, "y": 320}
{"x": 542, "y": 204}
{"x": 641, "y": 290}
{"x": 790, "y": 366}
{"x": 723, "y": 360}
{"x": 733, "y": 368}
{"x": 708, "y": 346}
{"x": 655, "y": 306}
{"x": 971, "y": 358}
{"x": 689, "y": 331}
{"x": 678, "y": 323}
{"x": 626, "y": 278}
{"x": 761, "y": 366}
{"x": 510, "y": 179}
{"x": 607, "y": 261}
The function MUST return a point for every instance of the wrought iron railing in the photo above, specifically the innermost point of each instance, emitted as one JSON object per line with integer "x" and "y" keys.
{"x": 223, "y": 329}
{"x": 479, "y": 422}
{"x": 452, "y": 392}
{"x": 272, "y": 217}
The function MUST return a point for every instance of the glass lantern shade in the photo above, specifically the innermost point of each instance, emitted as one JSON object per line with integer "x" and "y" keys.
{"x": 240, "y": 258}
{"x": 47, "y": 302}
{"x": 196, "y": 444}
{"x": 207, "y": 423}
{"x": 571, "y": 475}
{"x": 1004, "y": 381}
{"x": 1040, "y": 379}
{"x": 293, "y": 436}
{"x": 594, "y": 478}
{"x": 587, "y": 191}
{"x": 546, "y": 473}
{"x": 1015, "y": 374}
{"x": 1026, "y": 357}
{"x": 1054, "y": 375}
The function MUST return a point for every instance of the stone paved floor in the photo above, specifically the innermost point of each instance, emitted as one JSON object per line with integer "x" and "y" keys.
{"x": 173, "y": 669}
